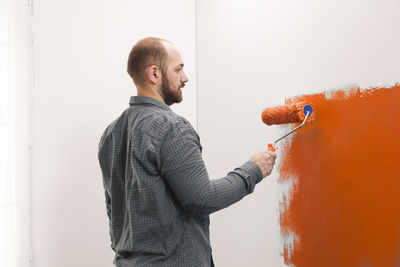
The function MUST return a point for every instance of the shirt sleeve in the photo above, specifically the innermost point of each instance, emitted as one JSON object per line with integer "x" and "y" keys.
{"x": 183, "y": 168}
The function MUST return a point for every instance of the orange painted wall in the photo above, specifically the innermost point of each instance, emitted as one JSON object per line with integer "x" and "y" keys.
{"x": 343, "y": 208}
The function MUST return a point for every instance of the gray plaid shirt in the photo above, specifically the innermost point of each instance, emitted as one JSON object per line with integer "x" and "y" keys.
{"x": 158, "y": 193}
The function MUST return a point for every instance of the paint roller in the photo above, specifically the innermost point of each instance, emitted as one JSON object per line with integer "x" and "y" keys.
{"x": 290, "y": 113}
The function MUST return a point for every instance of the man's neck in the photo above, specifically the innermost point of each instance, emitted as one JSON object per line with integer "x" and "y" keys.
{"x": 150, "y": 93}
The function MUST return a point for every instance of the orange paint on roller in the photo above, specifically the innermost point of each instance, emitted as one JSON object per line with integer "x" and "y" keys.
{"x": 289, "y": 113}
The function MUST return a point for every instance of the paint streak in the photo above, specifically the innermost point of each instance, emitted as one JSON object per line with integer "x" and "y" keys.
{"x": 343, "y": 208}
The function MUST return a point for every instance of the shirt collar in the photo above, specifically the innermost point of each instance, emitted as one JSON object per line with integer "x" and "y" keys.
{"x": 138, "y": 100}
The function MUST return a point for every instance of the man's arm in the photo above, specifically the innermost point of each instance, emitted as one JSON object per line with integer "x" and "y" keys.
{"x": 183, "y": 168}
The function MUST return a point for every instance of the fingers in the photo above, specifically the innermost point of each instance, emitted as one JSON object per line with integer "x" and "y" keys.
{"x": 265, "y": 160}
{"x": 272, "y": 154}
{"x": 271, "y": 159}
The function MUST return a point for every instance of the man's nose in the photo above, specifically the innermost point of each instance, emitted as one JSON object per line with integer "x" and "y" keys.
{"x": 185, "y": 79}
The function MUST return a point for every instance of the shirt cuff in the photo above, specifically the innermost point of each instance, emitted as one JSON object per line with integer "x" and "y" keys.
{"x": 250, "y": 173}
{"x": 253, "y": 170}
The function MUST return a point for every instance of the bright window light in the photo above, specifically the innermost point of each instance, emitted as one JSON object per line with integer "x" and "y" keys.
{"x": 7, "y": 135}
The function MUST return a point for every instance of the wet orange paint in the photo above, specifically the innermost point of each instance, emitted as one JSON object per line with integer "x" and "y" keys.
{"x": 343, "y": 206}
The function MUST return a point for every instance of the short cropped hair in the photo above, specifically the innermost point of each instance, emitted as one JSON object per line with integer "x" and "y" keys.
{"x": 147, "y": 52}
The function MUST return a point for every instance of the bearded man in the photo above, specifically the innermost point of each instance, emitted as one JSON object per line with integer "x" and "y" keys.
{"x": 158, "y": 192}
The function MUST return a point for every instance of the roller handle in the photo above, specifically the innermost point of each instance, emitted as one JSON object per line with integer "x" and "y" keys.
{"x": 271, "y": 147}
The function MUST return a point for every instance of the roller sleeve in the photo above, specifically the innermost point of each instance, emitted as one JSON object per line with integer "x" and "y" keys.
{"x": 284, "y": 114}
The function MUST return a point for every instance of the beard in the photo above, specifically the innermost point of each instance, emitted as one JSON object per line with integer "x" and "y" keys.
{"x": 170, "y": 96}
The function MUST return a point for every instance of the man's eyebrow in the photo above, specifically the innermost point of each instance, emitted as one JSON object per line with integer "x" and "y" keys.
{"x": 181, "y": 65}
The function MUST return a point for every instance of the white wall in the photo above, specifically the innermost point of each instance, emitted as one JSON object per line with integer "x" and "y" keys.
{"x": 80, "y": 85}
{"x": 23, "y": 86}
{"x": 250, "y": 55}
{"x": 253, "y": 54}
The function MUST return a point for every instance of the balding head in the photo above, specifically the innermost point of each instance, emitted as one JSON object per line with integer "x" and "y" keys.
{"x": 147, "y": 52}
{"x": 156, "y": 67}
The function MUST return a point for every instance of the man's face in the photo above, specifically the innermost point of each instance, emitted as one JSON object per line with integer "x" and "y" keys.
{"x": 174, "y": 78}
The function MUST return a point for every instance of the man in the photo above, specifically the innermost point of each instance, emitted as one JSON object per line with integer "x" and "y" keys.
{"x": 158, "y": 193}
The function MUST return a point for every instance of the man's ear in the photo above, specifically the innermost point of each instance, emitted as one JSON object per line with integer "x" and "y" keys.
{"x": 153, "y": 74}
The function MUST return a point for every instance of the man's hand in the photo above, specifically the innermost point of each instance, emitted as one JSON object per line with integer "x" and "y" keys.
{"x": 265, "y": 160}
